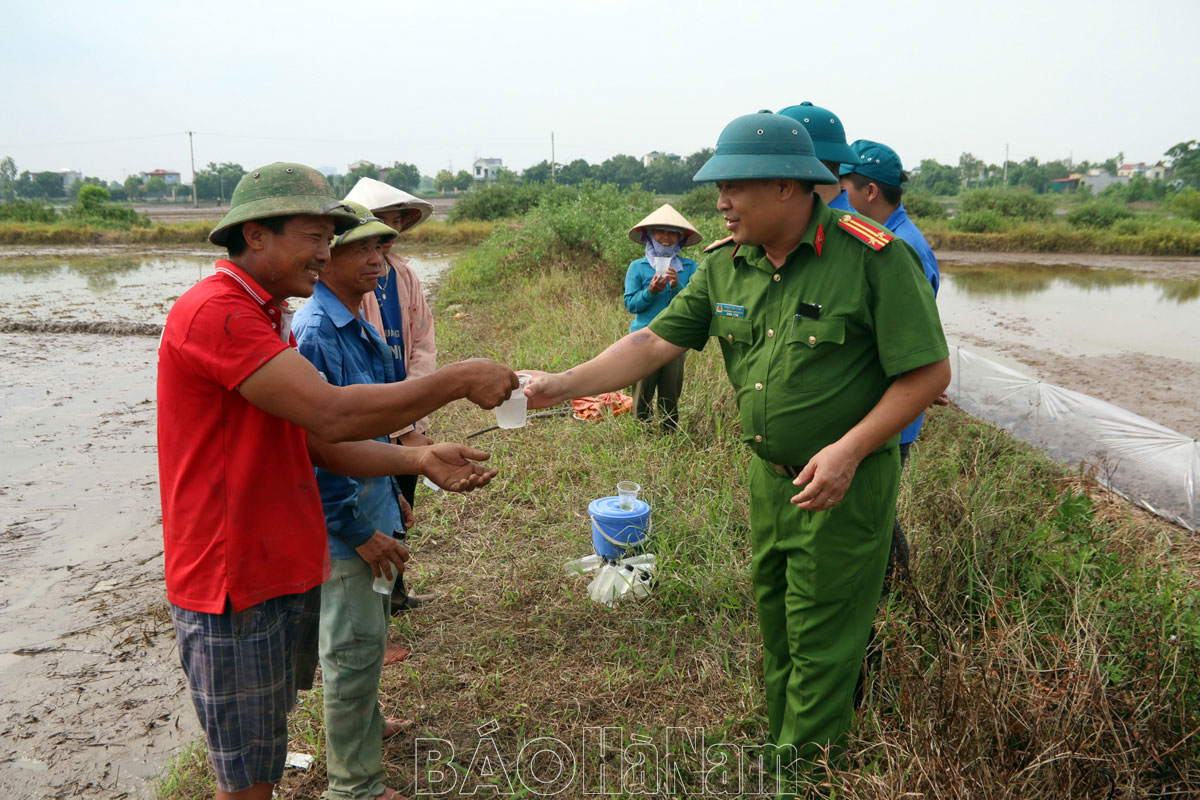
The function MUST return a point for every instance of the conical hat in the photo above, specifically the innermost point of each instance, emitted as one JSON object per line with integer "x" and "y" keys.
{"x": 379, "y": 196}
{"x": 666, "y": 217}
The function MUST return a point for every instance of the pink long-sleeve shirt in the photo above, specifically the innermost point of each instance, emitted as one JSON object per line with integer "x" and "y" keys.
{"x": 420, "y": 349}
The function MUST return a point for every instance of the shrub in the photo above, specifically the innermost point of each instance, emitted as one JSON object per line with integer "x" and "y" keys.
{"x": 1007, "y": 203}
{"x": 499, "y": 201}
{"x": 919, "y": 204}
{"x": 26, "y": 211}
{"x": 978, "y": 221}
{"x": 1098, "y": 214}
{"x": 1187, "y": 204}
{"x": 699, "y": 202}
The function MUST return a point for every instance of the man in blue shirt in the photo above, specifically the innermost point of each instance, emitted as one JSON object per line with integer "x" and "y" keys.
{"x": 361, "y": 517}
{"x": 872, "y": 183}
{"x": 829, "y": 141}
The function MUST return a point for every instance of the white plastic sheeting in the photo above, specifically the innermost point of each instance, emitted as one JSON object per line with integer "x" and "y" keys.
{"x": 1154, "y": 466}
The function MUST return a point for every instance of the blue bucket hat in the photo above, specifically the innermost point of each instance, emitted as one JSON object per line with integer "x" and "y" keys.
{"x": 828, "y": 135}
{"x": 876, "y": 161}
{"x": 764, "y": 145}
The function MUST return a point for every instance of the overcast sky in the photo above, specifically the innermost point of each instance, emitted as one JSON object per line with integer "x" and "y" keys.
{"x": 110, "y": 88}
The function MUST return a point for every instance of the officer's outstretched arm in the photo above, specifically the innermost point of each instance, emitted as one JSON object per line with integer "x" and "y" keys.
{"x": 627, "y": 360}
{"x": 829, "y": 472}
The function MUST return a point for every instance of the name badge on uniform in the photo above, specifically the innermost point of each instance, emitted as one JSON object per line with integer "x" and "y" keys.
{"x": 730, "y": 310}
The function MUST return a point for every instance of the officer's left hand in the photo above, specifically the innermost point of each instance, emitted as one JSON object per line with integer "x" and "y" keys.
{"x": 828, "y": 475}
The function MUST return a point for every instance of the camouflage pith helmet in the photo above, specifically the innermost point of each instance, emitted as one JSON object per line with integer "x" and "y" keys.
{"x": 281, "y": 190}
{"x": 368, "y": 225}
{"x": 764, "y": 145}
{"x": 828, "y": 134}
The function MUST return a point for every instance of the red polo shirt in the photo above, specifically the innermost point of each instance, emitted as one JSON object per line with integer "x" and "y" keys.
{"x": 241, "y": 510}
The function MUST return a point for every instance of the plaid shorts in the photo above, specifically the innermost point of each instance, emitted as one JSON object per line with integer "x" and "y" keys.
{"x": 242, "y": 672}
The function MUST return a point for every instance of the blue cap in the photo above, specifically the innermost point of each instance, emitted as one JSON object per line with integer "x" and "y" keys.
{"x": 876, "y": 161}
{"x": 828, "y": 135}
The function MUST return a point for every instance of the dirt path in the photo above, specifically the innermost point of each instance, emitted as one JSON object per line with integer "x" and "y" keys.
{"x": 93, "y": 702}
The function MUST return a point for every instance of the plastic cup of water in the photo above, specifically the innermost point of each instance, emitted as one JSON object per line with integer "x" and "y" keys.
{"x": 661, "y": 264}
{"x": 384, "y": 585}
{"x": 627, "y": 491}
{"x": 511, "y": 413}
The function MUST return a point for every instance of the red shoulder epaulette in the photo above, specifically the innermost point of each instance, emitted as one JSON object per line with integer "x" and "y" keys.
{"x": 718, "y": 243}
{"x": 872, "y": 236}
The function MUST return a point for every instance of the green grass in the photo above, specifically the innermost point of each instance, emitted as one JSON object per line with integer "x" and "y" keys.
{"x": 1047, "y": 647}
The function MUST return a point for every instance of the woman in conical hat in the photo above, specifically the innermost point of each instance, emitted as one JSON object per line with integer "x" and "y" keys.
{"x": 650, "y": 283}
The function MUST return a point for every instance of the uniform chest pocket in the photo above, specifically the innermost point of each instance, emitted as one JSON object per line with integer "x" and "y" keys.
{"x": 813, "y": 358}
{"x": 736, "y": 335}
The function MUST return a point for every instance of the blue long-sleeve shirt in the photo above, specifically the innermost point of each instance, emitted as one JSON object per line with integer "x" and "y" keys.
{"x": 640, "y": 301}
{"x": 899, "y": 224}
{"x": 347, "y": 351}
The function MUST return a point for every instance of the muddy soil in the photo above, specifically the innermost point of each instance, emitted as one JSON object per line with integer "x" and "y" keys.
{"x": 93, "y": 702}
{"x": 1151, "y": 266}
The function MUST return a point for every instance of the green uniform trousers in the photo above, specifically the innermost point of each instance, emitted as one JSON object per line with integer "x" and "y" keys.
{"x": 817, "y": 576}
{"x": 354, "y": 620}
{"x": 667, "y": 380}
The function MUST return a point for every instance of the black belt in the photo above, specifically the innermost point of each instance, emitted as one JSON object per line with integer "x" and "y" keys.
{"x": 786, "y": 470}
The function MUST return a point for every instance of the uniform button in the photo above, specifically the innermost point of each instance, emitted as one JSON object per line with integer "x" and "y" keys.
{"x": 812, "y": 340}
{"x": 775, "y": 276}
{"x": 845, "y": 218}
{"x": 758, "y": 386}
{"x": 730, "y": 337}
{"x": 770, "y": 332}
{"x": 758, "y": 438}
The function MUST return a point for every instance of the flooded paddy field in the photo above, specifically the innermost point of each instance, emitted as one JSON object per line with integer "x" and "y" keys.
{"x": 1119, "y": 328}
{"x": 93, "y": 702}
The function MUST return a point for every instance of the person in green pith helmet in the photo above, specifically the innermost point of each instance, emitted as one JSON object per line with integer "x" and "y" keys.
{"x": 829, "y": 143}
{"x": 833, "y": 344}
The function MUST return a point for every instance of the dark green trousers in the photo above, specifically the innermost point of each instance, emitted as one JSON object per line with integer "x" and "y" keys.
{"x": 817, "y": 576}
{"x": 667, "y": 381}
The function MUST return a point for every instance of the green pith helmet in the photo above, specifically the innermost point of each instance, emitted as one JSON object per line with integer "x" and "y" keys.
{"x": 828, "y": 135}
{"x": 281, "y": 190}
{"x": 368, "y": 225}
{"x": 764, "y": 145}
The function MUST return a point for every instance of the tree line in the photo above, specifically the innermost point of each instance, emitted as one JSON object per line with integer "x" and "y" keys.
{"x": 666, "y": 175}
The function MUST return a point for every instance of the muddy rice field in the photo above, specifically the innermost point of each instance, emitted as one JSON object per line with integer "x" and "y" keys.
{"x": 93, "y": 703}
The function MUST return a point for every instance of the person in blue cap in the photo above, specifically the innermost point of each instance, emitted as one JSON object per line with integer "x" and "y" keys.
{"x": 873, "y": 184}
{"x": 832, "y": 343}
{"x": 829, "y": 142}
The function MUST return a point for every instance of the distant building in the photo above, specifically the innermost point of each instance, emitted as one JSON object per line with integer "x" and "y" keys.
{"x": 654, "y": 155}
{"x": 1159, "y": 172}
{"x": 69, "y": 176}
{"x": 169, "y": 178}
{"x": 359, "y": 165}
{"x": 1098, "y": 180}
{"x": 487, "y": 169}
{"x": 1066, "y": 185}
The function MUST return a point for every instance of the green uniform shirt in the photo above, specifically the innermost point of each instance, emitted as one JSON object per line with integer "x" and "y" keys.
{"x": 801, "y": 383}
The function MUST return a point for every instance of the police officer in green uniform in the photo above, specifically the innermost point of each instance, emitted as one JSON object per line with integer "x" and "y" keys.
{"x": 832, "y": 342}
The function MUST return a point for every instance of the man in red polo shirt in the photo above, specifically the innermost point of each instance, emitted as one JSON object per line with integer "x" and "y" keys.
{"x": 242, "y": 419}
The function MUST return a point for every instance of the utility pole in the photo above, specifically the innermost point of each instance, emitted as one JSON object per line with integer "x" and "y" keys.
{"x": 552, "y": 157}
{"x": 192, "y": 151}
